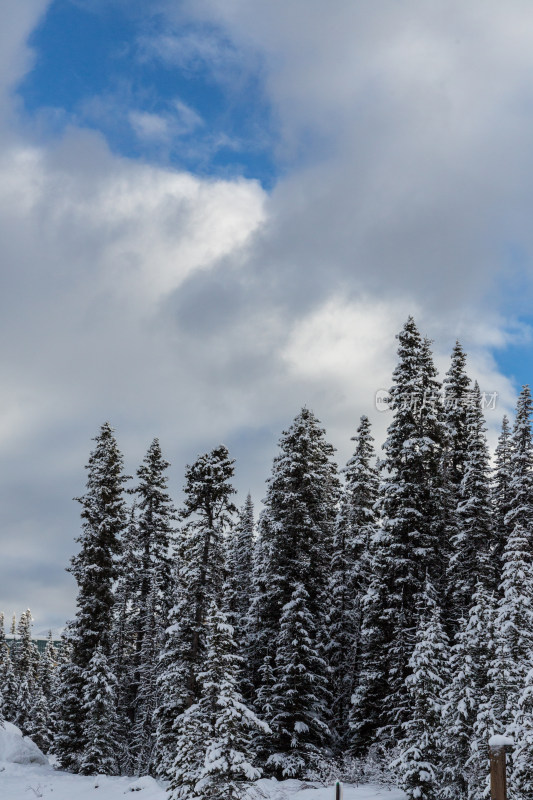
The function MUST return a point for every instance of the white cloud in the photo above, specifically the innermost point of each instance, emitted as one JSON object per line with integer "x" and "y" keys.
{"x": 200, "y": 310}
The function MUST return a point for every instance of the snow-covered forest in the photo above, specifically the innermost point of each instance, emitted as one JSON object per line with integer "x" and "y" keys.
{"x": 375, "y": 620}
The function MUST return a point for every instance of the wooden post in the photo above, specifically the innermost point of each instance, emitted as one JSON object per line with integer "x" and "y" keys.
{"x": 338, "y": 791}
{"x": 498, "y": 774}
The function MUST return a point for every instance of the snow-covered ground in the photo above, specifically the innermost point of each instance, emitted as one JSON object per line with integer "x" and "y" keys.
{"x": 25, "y": 773}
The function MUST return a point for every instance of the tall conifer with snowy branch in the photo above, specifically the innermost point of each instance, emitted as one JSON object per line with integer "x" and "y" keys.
{"x": 501, "y": 491}
{"x": 150, "y": 598}
{"x": 299, "y": 695}
{"x": 208, "y": 512}
{"x": 407, "y": 549}
{"x": 350, "y": 575}
{"x": 419, "y": 763}
{"x": 99, "y": 707}
{"x": 214, "y": 757}
{"x": 464, "y": 747}
{"x": 473, "y": 544}
{"x": 296, "y": 538}
{"x": 238, "y": 589}
{"x": 95, "y": 569}
{"x": 514, "y": 621}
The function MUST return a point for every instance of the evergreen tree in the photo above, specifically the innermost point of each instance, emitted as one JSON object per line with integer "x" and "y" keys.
{"x": 213, "y": 754}
{"x": 38, "y": 724}
{"x": 150, "y": 597}
{"x": 521, "y": 782}
{"x": 25, "y": 669}
{"x": 408, "y": 548}
{"x": 296, "y": 542}
{"x": 464, "y": 756}
{"x": 8, "y": 685}
{"x": 143, "y": 733}
{"x": 473, "y": 544}
{"x": 238, "y": 589}
{"x": 501, "y": 491}
{"x": 47, "y": 668}
{"x": 95, "y": 570}
{"x": 350, "y": 574}
{"x": 124, "y": 639}
{"x": 419, "y": 762}
{"x": 208, "y": 511}
{"x": 299, "y": 693}
{"x": 228, "y": 764}
{"x": 99, "y": 684}
{"x": 514, "y": 620}
{"x": 457, "y": 400}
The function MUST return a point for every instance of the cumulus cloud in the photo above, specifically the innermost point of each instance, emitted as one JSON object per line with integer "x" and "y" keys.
{"x": 202, "y": 310}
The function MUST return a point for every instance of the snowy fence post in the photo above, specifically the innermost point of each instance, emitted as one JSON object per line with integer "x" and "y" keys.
{"x": 338, "y": 791}
{"x": 498, "y": 773}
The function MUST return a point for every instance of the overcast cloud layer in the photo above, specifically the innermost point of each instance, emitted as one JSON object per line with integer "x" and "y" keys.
{"x": 203, "y": 310}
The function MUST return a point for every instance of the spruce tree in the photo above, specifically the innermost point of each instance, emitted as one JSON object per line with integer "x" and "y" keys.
{"x": 208, "y": 514}
{"x": 238, "y": 590}
{"x": 521, "y": 781}
{"x": 95, "y": 570}
{"x": 296, "y": 541}
{"x": 419, "y": 763}
{"x": 350, "y": 575}
{"x": 47, "y": 668}
{"x": 8, "y": 685}
{"x": 150, "y": 597}
{"x": 514, "y": 620}
{"x": 501, "y": 492}
{"x": 408, "y": 547}
{"x": 473, "y": 544}
{"x": 38, "y": 724}
{"x": 464, "y": 756}
{"x": 228, "y": 764}
{"x": 213, "y": 748}
{"x": 457, "y": 400}
{"x": 299, "y": 694}
{"x": 99, "y": 687}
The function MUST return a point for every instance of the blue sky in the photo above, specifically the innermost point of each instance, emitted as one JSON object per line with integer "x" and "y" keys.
{"x": 151, "y": 93}
{"x": 214, "y": 213}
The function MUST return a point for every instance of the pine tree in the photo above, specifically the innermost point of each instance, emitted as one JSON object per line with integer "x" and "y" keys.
{"x": 514, "y": 620}
{"x": 474, "y": 542}
{"x": 238, "y": 589}
{"x": 521, "y": 782}
{"x": 228, "y": 764}
{"x": 25, "y": 669}
{"x": 296, "y": 541}
{"x": 214, "y": 754}
{"x": 208, "y": 511}
{"x": 408, "y": 547}
{"x": 465, "y": 766}
{"x": 47, "y": 668}
{"x": 350, "y": 575}
{"x": 419, "y": 762}
{"x": 38, "y": 724}
{"x": 99, "y": 684}
{"x": 143, "y": 734}
{"x": 8, "y": 685}
{"x": 501, "y": 491}
{"x": 150, "y": 598}
{"x": 513, "y": 629}
{"x": 124, "y": 639}
{"x": 299, "y": 693}
{"x": 95, "y": 569}
{"x": 457, "y": 400}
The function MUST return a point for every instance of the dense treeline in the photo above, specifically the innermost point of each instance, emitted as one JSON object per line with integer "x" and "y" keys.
{"x": 384, "y": 614}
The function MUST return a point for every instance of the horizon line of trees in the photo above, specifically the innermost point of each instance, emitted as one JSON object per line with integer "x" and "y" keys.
{"x": 385, "y": 617}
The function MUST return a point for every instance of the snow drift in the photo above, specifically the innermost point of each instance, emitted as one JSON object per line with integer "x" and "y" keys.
{"x": 18, "y": 749}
